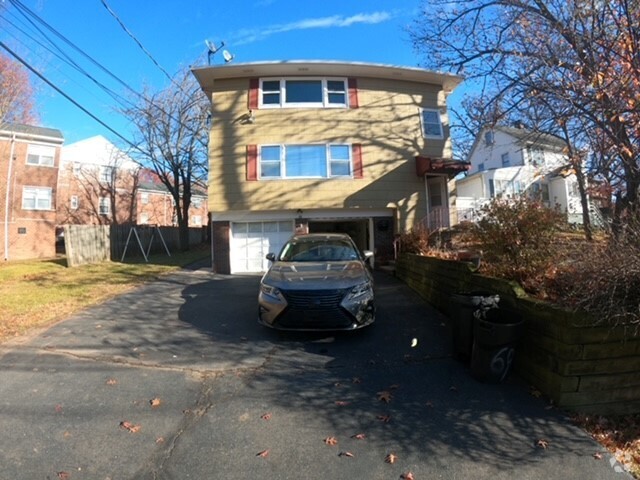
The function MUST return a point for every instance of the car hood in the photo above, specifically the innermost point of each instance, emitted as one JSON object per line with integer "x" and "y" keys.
{"x": 314, "y": 276}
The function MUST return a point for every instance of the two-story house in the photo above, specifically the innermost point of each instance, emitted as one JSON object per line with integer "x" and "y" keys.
{"x": 100, "y": 184}
{"x": 29, "y": 160}
{"x": 321, "y": 146}
{"x": 512, "y": 161}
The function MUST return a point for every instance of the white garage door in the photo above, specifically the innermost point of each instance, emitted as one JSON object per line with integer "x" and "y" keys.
{"x": 251, "y": 241}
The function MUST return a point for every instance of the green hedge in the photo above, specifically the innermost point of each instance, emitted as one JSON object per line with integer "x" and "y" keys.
{"x": 579, "y": 363}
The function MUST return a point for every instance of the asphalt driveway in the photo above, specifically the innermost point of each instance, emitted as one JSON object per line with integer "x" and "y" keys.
{"x": 175, "y": 380}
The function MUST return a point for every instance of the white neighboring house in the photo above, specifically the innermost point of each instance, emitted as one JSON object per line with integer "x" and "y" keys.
{"x": 511, "y": 161}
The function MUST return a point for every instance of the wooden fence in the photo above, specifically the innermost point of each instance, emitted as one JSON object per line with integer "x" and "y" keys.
{"x": 98, "y": 243}
{"x": 577, "y": 361}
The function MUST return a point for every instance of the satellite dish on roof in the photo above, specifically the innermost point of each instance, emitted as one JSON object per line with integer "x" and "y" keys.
{"x": 227, "y": 56}
{"x": 212, "y": 49}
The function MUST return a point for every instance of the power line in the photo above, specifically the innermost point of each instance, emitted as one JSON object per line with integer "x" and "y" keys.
{"x": 61, "y": 92}
{"x": 133, "y": 37}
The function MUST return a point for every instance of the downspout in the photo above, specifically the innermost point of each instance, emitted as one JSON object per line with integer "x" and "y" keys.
{"x": 426, "y": 201}
{"x": 7, "y": 197}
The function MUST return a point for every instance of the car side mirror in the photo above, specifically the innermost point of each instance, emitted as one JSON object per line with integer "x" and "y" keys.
{"x": 271, "y": 256}
{"x": 368, "y": 255}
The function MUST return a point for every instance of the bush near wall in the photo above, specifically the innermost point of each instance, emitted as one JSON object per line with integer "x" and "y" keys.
{"x": 580, "y": 364}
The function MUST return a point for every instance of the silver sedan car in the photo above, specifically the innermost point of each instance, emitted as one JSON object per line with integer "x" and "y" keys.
{"x": 317, "y": 282}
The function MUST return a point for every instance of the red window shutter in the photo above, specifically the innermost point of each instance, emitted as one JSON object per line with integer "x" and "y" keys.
{"x": 254, "y": 90}
{"x": 353, "y": 93}
{"x": 252, "y": 163}
{"x": 356, "y": 153}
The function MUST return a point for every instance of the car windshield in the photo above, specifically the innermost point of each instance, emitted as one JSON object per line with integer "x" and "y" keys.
{"x": 318, "y": 251}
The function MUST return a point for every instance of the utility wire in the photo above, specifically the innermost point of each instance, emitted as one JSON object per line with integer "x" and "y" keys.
{"x": 133, "y": 37}
{"x": 48, "y": 82}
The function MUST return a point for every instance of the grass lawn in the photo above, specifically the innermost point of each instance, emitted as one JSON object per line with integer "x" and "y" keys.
{"x": 38, "y": 293}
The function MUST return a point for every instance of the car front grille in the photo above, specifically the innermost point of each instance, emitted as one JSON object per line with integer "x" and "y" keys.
{"x": 315, "y": 309}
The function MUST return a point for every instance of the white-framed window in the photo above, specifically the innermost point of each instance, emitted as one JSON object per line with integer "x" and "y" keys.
{"x": 144, "y": 198}
{"x": 196, "y": 202}
{"x": 104, "y": 208}
{"x": 77, "y": 169}
{"x": 74, "y": 202}
{"x": 536, "y": 156}
{"x": 489, "y": 138}
{"x": 303, "y": 92}
{"x": 305, "y": 161}
{"x": 40, "y": 155}
{"x": 144, "y": 218}
{"x": 106, "y": 174}
{"x": 431, "y": 123}
{"x": 196, "y": 220}
{"x": 36, "y": 198}
{"x": 506, "y": 161}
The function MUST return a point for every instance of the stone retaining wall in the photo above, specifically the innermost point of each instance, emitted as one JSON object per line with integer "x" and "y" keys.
{"x": 581, "y": 365}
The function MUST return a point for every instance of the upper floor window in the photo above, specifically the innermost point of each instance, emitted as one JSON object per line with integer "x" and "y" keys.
{"x": 506, "y": 161}
{"x": 536, "y": 156}
{"x": 196, "y": 202}
{"x": 305, "y": 161}
{"x": 431, "y": 123}
{"x": 36, "y": 198}
{"x": 40, "y": 155}
{"x": 74, "y": 202}
{"x": 77, "y": 169}
{"x": 144, "y": 198}
{"x": 489, "y": 138}
{"x": 303, "y": 92}
{"x": 105, "y": 206}
{"x": 481, "y": 167}
{"x": 106, "y": 174}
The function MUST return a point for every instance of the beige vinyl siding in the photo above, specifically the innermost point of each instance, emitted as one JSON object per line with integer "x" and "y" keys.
{"x": 387, "y": 125}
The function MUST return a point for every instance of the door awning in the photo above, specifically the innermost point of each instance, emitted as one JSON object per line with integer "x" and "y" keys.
{"x": 439, "y": 166}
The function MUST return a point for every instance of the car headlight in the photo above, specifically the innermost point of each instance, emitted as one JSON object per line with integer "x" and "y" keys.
{"x": 360, "y": 290}
{"x": 270, "y": 291}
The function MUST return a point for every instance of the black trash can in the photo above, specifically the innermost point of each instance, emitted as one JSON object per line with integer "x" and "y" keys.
{"x": 462, "y": 309}
{"x": 494, "y": 344}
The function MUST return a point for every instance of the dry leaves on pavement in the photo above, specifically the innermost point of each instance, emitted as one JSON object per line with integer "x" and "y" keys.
{"x": 391, "y": 458}
{"x": 331, "y": 441}
{"x": 263, "y": 453}
{"x": 130, "y": 426}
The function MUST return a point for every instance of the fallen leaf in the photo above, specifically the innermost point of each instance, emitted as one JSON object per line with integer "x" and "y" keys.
{"x": 407, "y": 476}
{"x": 265, "y": 416}
{"x": 359, "y": 436}
{"x": 331, "y": 441}
{"x": 159, "y": 440}
{"x": 263, "y": 453}
{"x": 384, "y": 418}
{"x": 597, "y": 456}
{"x": 342, "y": 403}
{"x": 130, "y": 426}
{"x": 534, "y": 392}
{"x": 542, "y": 443}
{"x": 385, "y": 396}
{"x": 356, "y": 380}
{"x": 391, "y": 458}
{"x": 414, "y": 342}
{"x": 155, "y": 402}
{"x": 112, "y": 381}
{"x": 346, "y": 454}
{"x": 395, "y": 386}
{"x": 58, "y": 408}
{"x": 63, "y": 475}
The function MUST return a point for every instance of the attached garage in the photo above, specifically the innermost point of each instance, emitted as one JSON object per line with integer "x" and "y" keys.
{"x": 251, "y": 241}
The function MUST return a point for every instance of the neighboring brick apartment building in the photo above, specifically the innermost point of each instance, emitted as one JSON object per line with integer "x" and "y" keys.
{"x": 29, "y": 161}
{"x": 101, "y": 184}
{"x": 319, "y": 146}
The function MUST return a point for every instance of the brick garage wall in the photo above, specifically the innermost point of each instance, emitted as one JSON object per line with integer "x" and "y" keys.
{"x": 578, "y": 362}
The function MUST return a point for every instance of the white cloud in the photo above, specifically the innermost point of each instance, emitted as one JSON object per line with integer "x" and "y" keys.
{"x": 246, "y": 36}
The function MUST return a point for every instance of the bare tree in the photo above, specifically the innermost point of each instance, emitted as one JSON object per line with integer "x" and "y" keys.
{"x": 576, "y": 61}
{"x": 16, "y": 93}
{"x": 171, "y": 140}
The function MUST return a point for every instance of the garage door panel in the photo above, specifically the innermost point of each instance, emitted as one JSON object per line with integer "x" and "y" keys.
{"x": 251, "y": 241}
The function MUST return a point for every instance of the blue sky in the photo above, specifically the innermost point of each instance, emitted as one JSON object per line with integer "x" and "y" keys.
{"x": 173, "y": 33}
